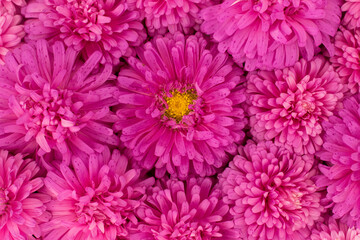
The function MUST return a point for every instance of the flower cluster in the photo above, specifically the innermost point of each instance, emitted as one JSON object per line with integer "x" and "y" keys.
{"x": 180, "y": 119}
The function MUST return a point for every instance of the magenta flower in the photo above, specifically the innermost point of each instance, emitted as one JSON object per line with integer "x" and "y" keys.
{"x": 288, "y": 105}
{"x": 87, "y": 25}
{"x": 334, "y": 231}
{"x": 11, "y": 31}
{"x": 94, "y": 199}
{"x": 270, "y": 34}
{"x": 180, "y": 106}
{"x": 346, "y": 60}
{"x": 341, "y": 171}
{"x": 11, "y": 5}
{"x": 352, "y": 17}
{"x": 172, "y": 15}
{"x": 270, "y": 192}
{"x": 51, "y": 100}
{"x": 21, "y": 209}
{"x": 190, "y": 210}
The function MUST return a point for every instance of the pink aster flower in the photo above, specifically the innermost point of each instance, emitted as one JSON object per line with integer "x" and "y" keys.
{"x": 172, "y": 15}
{"x": 180, "y": 106}
{"x": 270, "y": 34}
{"x": 11, "y": 31}
{"x": 87, "y": 25}
{"x": 95, "y": 198}
{"x": 288, "y": 105}
{"x": 334, "y": 231}
{"x": 11, "y": 5}
{"x": 21, "y": 209}
{"x": 51, "y": 100}
{"x": 270, "y": 192}
{"x": 341, "y": 171}
{"x": 352, "y": 17}
{"x": 347, "y": 58}
{"x": 190, "y": 210}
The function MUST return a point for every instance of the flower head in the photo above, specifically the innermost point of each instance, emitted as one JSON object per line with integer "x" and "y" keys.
{"x": 351, "y": 18}
{"x": 94, "y": 198}
{"x": 180, "y": 106}
{"x": 288, "y": 105}
{"x": 270, "y": 34}
{"x": 172, "y": 15}
{"x": 341, "y": 168}
{"x": 190, "y": 210}
{"x": 87, "y": 25}
{"x": 11, "y": 31}
{"x": 270, "y": 192}
{"x": 21, "y": 209}
{"x": 51, "y": 100}
{"x": 346, "y": 60}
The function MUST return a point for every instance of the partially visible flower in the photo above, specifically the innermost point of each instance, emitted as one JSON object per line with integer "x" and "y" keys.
{"x": 87, "y": 25}
{"x": 173, "y": 15}
{"x": 351, "y": 18}
{"x": 272, "y": 34}
{"x": 51, "y": 100}
{"x": 341, "y": 168}
{"x": 346, "y": 60}
{"x": 11, "y": 31}
{"x": 288, "y": 105}
{"x": 190, "y": 210}
{"x": 94, "y": 198}
{"x": 180, "y": 106}
{"x": 21, "y": 209}
{"x": 11, "y": 5}
{"x": 270, "y": 192}
{"x": 334, "y": 231}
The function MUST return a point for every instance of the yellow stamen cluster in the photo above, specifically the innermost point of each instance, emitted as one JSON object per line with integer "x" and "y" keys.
{"x": 178, "y": 104}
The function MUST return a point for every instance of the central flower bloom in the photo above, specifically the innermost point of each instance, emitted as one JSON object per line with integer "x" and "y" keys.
{"x": 178, "y": 104}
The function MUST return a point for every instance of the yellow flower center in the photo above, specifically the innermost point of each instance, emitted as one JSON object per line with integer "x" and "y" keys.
{"x": 178, "y": 104}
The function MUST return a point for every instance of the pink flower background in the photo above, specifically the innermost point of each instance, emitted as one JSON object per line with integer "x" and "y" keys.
{"x": 180, "y": 119}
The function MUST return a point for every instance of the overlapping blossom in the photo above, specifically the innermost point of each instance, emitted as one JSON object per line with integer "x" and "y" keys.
{"x": 346, "y": 60}
{"x": 51, "y": 100}
{"x": 352, "y": 17}
{"x": 21, "y": 209}
{"x": 341, "y": 168}
{"x": 190, "y": 210}
{"x": 180, "y": 106}
{"x": 172, "y": 15}
{"x": 89, "y": 25}
{"x": 270, "y": 34}
{"x": 94, "y": 198}
{"x": 11, "y": 6}
{"x": 333, "y": 230}
{"x": 288, "y": 105}
{"x": 270, "y": 192}
{"x": 11, "y": 29}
